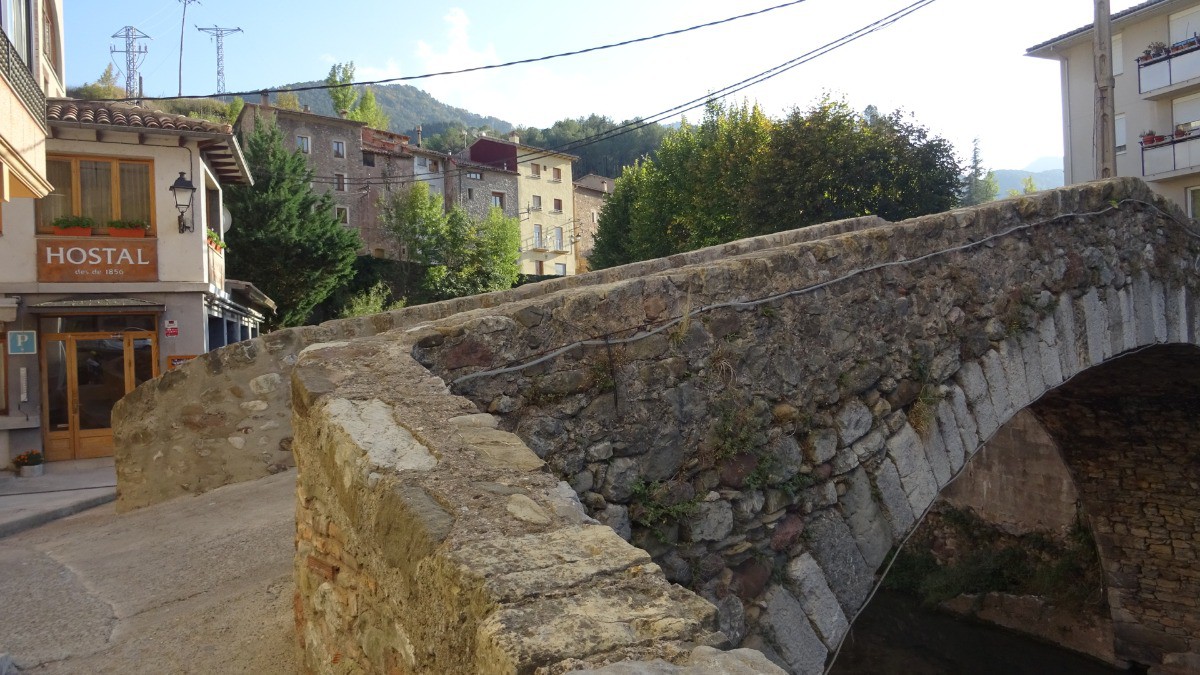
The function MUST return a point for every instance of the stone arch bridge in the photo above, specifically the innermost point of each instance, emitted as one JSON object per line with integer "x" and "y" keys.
{"x": 764, "y": 421}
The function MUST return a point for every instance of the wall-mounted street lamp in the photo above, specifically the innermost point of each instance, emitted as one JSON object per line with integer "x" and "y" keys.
{"x": 183, "y": 190}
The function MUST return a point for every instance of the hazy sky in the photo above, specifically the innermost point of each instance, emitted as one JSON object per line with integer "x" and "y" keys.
{"x": 957, "y": 65}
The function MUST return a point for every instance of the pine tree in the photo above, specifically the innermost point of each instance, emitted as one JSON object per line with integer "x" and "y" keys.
{"x": 979, "y": 186}
{"x": 285, "y": 238}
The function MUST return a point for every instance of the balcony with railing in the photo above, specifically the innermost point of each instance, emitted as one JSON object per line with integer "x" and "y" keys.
{"x": 1163, "y": 155}
{"x": 20, "y": 78}
{"x": 1165, "y": 69}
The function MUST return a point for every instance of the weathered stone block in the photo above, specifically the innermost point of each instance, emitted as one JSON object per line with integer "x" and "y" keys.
{"x": 854, "y": 420}
{"x": 806, "y": 581}
{"x": 798, "y": 643}
{"x": 832, "y": 545}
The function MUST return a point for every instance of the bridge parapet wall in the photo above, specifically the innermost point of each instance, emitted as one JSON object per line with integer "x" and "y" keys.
{"x": 768, "y": 427}
{"x": 225, "y": 417}
{"x": 429, "y": 541}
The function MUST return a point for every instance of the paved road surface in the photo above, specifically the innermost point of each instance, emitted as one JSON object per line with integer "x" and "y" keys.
{"x": 196, "y": 585}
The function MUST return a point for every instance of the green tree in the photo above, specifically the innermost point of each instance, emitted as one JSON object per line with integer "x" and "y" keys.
{"x": 1028, "y": 187}
{"x": 288, "y": 100}
{"x": 416, "y": 219}
{"x": 367, "y": 110}
{"x": 475, "y": 257}
{"x": 452, "y": 255}
{"x": 105, "y": 87}
{"x": 739, "y": 174}
{"x": 979, "y": 185}
{"x": 341, "y": 93}
{"x": 830, "y": 163}
{"x": 286, "y": 239}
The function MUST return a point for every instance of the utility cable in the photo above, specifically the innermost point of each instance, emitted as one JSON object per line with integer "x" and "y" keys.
{"x": 639, "y": 123}
{"x": 538, "y": 59}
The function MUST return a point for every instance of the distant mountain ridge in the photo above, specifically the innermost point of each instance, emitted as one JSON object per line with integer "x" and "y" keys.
{"x": 1011, "y": 179}
{"x": 406, "y": 107}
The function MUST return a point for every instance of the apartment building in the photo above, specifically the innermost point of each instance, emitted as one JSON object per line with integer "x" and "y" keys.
{"x": 545, "y": 200}
{"x": 1156, "y": 68}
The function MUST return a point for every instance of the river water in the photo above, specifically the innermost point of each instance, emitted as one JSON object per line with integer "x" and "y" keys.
{"x": 896, "y": 635}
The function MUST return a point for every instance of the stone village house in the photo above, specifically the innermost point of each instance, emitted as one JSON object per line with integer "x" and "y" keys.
{"x": 98, "y": 311}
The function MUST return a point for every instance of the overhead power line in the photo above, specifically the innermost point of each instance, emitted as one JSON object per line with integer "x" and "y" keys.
{"x": 409, "y": 78}
{"x": 639, "y": 123}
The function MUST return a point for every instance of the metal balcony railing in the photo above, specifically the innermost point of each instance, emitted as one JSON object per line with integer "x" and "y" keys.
{"x": 17, "y": 72}
{"x": 1171, "y": 154}
{"x": 1180, "y": 63}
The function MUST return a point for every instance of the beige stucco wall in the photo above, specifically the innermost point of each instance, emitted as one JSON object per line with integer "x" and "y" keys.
{"x": 22, "y": 141}
{"x": 182, "y": 257}
{"x": 1141, "y": 114}
{"x": 549, "y": 190}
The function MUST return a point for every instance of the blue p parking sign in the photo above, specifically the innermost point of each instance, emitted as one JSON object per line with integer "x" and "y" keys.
{"x": 22, "y": 342}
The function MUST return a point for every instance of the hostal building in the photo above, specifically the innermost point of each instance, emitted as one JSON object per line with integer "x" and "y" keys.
{"x": 118, "y": 273}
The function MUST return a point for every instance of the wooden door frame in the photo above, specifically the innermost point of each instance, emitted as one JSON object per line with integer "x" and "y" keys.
{"x": 74, "y": 434}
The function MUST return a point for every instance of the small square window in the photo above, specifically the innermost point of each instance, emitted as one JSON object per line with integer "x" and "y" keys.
{"x": 368, "y": 159}
{"x": 342, "y": 214}
{"x": 537, "y": 203}
{"x": 560, "y": 269}
{"x": 475, "y": 175}
{"x": 303, "y": 144}
{"x": 557, "y": 175}
{"x": 433, "y": 166}
{"x": 498, "y": 199}
{"x": 558, "y": 206}
{"x": 422, "y": 162}
{"x": 339, "y": 149}
{"x": 339, "y": 182}
{"x": 535, "y": 170}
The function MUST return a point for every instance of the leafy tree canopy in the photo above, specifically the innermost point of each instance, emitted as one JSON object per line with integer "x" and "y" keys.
{"x": 738, "y": 173}
{"x": 285, "y": 238}
{"x": 346, "y": 98}
{"x": 451, "y": 255}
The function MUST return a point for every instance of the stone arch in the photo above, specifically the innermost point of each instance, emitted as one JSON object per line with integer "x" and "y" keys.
{"x": 1145, "y": 335}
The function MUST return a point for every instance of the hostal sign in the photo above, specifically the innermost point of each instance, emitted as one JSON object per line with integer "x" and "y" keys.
{"x": 97, "y": 259}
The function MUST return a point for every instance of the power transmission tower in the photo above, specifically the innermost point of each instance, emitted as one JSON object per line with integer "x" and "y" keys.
{"x": 219, "y": 34}
{"x": 132, "y": 53}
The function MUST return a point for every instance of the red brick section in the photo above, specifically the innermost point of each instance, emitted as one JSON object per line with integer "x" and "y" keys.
{"x": 1127, "y": 431}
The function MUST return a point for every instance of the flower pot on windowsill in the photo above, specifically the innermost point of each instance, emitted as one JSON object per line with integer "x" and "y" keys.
{"x": 72, "y": 231}
{"x": 217, "y": 247}
{"x": 31, "y": 470}
{"x": 127, "y": 232}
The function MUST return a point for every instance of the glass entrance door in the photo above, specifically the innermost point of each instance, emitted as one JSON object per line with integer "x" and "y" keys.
{"x": 84, "y": 376}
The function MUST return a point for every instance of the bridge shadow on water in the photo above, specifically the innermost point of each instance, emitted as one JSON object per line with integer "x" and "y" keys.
{"x": 896, "y": 635}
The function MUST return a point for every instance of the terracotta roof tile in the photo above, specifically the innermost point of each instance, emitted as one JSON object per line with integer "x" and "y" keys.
{"x": 126, "y": 115}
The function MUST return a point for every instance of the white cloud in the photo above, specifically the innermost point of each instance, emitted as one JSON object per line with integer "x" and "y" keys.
{"x": 390, "y": 69}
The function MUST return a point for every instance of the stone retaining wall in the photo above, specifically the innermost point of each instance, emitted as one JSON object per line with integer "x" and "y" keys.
{"x": 225, "y": 417}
